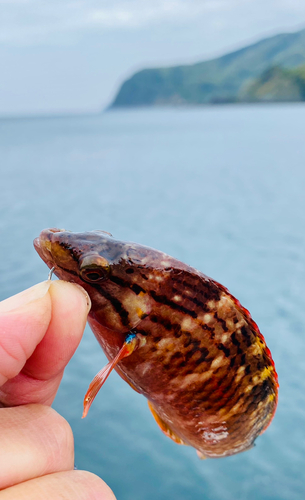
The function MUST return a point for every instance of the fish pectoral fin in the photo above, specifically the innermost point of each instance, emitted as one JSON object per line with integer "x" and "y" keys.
{"x": 131, "y": 343}
{"x": 201, "y": 455}
{"x": 164, "y": 426}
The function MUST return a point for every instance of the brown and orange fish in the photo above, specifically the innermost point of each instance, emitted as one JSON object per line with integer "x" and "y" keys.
{"x": 175, "y": 335}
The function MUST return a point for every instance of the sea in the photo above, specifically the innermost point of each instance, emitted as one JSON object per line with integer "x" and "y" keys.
{"x": 221, "y": 188}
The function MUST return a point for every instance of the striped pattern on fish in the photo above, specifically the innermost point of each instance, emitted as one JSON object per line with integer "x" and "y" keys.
{"x": 197, "y": 355}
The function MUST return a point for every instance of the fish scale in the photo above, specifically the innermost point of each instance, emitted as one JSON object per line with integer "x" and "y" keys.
{"x": 175, "y": 335}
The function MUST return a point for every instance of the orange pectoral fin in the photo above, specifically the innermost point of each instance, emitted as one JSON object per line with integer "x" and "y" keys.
{"x": 164, "y": 427}
{"x": 129, "y": 346}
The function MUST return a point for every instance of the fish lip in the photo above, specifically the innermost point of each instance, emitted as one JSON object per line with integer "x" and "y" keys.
{"x": 55, "y": 230}
{"x": 36, "y": 244}
{"x": 41, "y": 246}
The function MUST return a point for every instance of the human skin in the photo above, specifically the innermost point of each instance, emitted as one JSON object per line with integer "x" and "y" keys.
{"x": 40, "y": 330}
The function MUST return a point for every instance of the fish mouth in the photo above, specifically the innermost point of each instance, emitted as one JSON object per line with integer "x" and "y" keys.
{"x": 43, "y": 245}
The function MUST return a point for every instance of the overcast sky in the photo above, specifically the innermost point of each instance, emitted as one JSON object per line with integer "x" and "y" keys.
{"x": 72, "y": 55}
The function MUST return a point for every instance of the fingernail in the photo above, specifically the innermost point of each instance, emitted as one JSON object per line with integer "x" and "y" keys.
{"x": 86, "y": 295}
{"x": 21, "y": 299}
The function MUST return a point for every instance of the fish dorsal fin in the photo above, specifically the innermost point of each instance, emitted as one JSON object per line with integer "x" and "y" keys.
{"x": 163, "y": 426}
{"x": 131, "y": 343}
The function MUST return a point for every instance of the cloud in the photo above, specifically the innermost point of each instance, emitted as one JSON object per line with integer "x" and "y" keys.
{"x": 136, "y": 14}
{"x": 31, "y": 21}
{"x": 22, "y": 18}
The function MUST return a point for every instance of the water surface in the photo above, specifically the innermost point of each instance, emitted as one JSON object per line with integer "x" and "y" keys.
{"x": 220, "y": 188}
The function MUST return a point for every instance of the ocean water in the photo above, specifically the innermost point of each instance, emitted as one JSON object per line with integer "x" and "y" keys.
{"x": 221, "y": 188}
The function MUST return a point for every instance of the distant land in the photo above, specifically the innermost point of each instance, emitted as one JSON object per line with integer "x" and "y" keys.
{"x": 272, "y": 70}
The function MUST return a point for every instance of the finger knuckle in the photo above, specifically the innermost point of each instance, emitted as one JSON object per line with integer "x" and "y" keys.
{"x": 58, "y": 438}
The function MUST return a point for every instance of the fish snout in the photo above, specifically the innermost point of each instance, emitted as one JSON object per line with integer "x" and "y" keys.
{"x": 45, "y": 243}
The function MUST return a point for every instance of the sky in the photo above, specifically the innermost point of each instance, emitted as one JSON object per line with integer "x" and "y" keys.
{"x": 71, "y": 56}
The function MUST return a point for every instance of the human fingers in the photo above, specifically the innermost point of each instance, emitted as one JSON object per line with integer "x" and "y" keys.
{"x": 70, "y": 485}
{"x": 35, "y": 441}
{"x": 39, "y": 332}
{"x": 70, "y": 307}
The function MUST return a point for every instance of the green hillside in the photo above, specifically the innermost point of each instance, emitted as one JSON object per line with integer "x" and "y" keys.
{"x": 223, "y": 79}
{"x": 276, "y": 85}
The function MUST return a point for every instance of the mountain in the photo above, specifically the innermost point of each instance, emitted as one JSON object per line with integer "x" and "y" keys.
{"x": 219, "y": 80}
{"x": 276, "y": 84}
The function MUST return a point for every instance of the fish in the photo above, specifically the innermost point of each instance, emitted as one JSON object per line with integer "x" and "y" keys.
{"x": 175, "y": 336}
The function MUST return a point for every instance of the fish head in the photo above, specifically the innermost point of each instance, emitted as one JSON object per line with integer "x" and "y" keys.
{"x": 111, "y": 271}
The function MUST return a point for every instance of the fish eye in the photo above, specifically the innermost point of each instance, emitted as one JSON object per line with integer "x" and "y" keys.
{"x": 94, "y": 269}
{"x": 93, "y": 274}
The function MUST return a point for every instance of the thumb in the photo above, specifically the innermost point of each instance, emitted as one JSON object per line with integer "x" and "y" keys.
{"x": 24, "y": 319}
{"x": 40, "y": 329}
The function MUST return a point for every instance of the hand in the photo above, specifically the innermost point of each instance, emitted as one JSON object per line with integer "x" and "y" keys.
{"x": 40, "y": 330}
